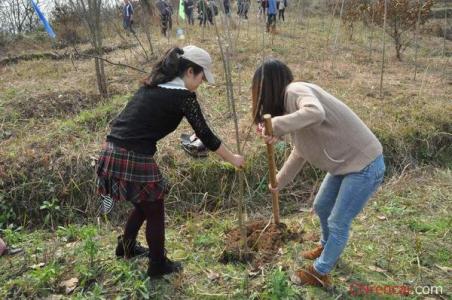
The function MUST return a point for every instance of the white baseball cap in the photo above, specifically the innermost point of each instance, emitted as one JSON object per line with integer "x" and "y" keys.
{"x": 200, "y": 57}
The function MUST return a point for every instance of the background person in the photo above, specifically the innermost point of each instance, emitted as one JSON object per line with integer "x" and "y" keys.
{"x": 188, "y": 9}
{"x": 282, "y": 4}
{"x": 127, "y": 16}
{"x": 271, "y": 15}
{"x": 165, "y": 11}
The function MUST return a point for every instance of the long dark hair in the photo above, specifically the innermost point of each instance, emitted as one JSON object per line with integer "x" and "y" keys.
{"x": 268, "y": 89}
{"x": 169, "y": 67}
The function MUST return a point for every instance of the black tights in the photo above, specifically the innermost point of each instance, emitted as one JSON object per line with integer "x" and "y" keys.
{"x": 281, "y": 14}
{"x": 154, "y": 214}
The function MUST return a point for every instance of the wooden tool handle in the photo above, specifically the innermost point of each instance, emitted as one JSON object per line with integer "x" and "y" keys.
{"x": 272, "y": 167}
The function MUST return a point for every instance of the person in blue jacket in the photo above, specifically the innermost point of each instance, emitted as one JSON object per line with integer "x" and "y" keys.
{"x": 127, "y": 16}
{"x": 271, "y": 15}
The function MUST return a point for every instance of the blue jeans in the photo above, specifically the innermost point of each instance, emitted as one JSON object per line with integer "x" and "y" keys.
{"x": 337, "y": 203}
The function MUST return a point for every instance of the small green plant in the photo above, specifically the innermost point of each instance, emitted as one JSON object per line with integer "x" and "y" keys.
{"x": 12, "y": 236}
{"x": 279, "y": 287}
{"x": 121, "y": 271}
{"x": 69, "y": 233}
{"x": 7, "y": 214}
{"x": 90, "y": 245}
{"x": 46, "y": 275}
{"x": 205, "y": 240}
{"x": 51, "y": 207}
{"x": 141, "y": 288}
{"x": 96, "y": 293}
{"x": 87, "y": 274}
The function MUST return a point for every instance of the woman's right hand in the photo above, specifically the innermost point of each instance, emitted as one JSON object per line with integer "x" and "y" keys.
{"x": 238, "y": 161}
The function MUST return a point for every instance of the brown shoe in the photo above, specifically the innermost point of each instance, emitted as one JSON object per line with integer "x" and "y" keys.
{"x": 309, "y": 276}
{"x": 313, "y": 254}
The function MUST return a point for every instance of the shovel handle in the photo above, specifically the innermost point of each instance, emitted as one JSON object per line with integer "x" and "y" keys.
{"x": 272, "y": 167}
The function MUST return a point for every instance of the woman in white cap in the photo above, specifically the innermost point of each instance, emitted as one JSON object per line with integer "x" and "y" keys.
{"x": 126, "y": 168}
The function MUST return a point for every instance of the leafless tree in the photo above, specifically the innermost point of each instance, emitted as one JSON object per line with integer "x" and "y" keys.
{"x": 146, "y": 15}
{"x": 90, "y": 13}
{"x": 402, "y": 16}
{"x": 385, "y": 12}
{"x": 18, "y": 16}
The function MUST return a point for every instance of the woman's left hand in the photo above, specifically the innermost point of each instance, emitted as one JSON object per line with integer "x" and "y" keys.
{"x": 273, "y": 189}
{"x": 267, "y": 138}
{"x": 270, "y": 139}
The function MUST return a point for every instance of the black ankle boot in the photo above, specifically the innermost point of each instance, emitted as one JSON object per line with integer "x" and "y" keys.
{"x": 129, "y": 249}
{"x": 162, "y": 267}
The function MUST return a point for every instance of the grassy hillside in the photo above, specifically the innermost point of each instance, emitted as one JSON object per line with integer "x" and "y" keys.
{"x": 401, "y": 238}
{"x": 52, "y": 123}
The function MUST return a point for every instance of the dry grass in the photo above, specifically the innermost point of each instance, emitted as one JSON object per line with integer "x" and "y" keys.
{"x": 48, "y": 142}
{"x": 401, "y": 238}
{"x": 51, "y": 139}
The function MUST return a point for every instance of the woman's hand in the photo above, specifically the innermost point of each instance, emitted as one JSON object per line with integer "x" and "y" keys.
{"x": 267, "y": 138}
{"x": 270, "y": 139}
{"x": 238, "y": 161}
{"x": 260, "y": 128}
{"x": 272, "y": 189}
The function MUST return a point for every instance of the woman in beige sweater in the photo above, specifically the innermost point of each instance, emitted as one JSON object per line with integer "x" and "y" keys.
{"x": 330, "y": 136}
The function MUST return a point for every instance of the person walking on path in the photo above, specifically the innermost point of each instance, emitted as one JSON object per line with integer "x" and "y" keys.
{"x": 126, "y": 169}
{"x": 203, "y": 13}
{"x": 271, "y": 15}
{"x": 330, "y": 136}
{"x": 188, "y": 9}
{"x": 127, "y": 16}
{"x": 282, "y": 4}
{"x": 227, "y": 7}
{"x": 165, "y": 11}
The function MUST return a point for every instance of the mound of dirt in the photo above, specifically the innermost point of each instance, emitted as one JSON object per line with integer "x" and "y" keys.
{"x": 263, "y": 239}
{"x": 53, "y": 104}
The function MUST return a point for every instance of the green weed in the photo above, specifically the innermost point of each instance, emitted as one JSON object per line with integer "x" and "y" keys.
{"x": 279, "y": 287}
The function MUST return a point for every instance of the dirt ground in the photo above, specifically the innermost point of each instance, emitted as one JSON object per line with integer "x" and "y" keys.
{"x": 264, "y": 241}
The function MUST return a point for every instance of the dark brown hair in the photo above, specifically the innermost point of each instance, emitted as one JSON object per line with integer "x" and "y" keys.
{"x": 169, "y": 67}
{"x": 268, "y": 89}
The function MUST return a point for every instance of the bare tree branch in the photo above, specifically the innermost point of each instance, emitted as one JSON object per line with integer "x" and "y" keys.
{"x": 109, "y": 61}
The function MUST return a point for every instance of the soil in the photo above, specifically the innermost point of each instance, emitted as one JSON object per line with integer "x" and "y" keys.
{"x": 53, "y": 104}
{"x": 61, "y": 55}
{"x": 264, "y": 241}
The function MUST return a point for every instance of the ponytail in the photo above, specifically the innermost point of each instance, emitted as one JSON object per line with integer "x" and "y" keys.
{"x": 165, "y": 69}
{"x": 169, "y": 67}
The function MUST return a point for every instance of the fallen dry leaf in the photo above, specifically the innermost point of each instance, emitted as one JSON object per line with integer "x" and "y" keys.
{"x": 54, "y": 297}
{"x": 253, "y": 274}
{"x": 71, "y": 245}
{"x": 376, "y": 269}
{"x": 295, "y": 278}
{"x": 445, "y": 269}
{"x": 213, "y": 275}
{"x": 37, "y": 266}
{"x": 359, "y": 254}
{"x": 69, "y": 285}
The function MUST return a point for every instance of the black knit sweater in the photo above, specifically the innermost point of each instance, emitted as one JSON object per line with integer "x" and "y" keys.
{"x": 153, "y": 113}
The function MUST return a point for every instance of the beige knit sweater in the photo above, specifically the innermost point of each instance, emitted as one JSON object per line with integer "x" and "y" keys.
{"x": 324, "y": 131}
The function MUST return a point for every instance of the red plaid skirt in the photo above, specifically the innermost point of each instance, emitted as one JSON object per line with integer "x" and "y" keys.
{"x": 126, "y": 175}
